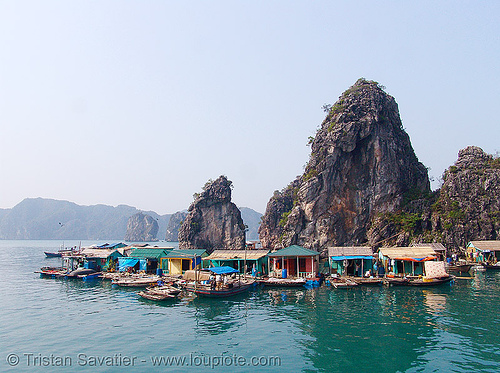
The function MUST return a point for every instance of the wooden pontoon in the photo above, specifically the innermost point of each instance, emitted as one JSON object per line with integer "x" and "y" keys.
{"x": 137, "y": 282}
{"x": 283, "y": 282}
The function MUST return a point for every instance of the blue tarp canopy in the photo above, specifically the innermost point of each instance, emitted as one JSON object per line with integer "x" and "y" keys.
{"x": 339, "y": 258}
{"x": 224, "y": 270}
{"x": 125, "y": 263}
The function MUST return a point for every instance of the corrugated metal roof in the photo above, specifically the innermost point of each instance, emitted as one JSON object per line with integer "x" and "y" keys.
{"x": 486, "y": 245}
{"x": 436, "y": 246}
{"x": 150, "y": 253}
{"x": 294, "y": 250}
{"x": 97, "y": 253}
{"x": 186, "y": 253}
{"x": 407, "y": 252}
{"x": 236, "y": 254}
{"x": 350, "y": 251}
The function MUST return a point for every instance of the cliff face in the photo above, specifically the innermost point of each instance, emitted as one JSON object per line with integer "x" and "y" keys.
{"x": 213, "y": 221}
{"x": 466, "y": 208}
{"x": 174, "y": 225}
{"x": 469, "y": 204}
{"x": 361, "y": 164}
{"x": 141, "y": 228}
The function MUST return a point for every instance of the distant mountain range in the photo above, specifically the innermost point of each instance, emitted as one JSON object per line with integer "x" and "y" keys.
{"x": 49, "y": 219}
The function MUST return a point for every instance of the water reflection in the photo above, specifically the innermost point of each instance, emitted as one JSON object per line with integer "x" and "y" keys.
{"x": 217, "y": 316}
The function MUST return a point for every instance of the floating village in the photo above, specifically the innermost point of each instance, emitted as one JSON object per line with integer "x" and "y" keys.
{"x": 164, "y": 273}
{"x": 362, "y": 184}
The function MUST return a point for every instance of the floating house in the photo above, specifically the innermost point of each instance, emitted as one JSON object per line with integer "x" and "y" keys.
{"x": 180, "y": 261}
{"x": 439, "y": 248}
{"x": 293, "y": 261}
{"x": 148, "y": 259}
{"x": 256, "y": 260}
{"x": 406, "y": 260}
{"x": 483, "y": 251}
{"x": 351, "y": 261}
{"x": 94, "y": 258}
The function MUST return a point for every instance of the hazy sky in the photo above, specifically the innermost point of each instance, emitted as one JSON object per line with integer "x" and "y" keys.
{"x": 141, "y": 102}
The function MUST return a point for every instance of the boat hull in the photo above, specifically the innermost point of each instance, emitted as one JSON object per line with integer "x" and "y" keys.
{"x": 419, "y": 282}
{"x": 459, "y": 268}
{"x": 154, "y": 296}
{"x": 135, "y": 284}
{"x": 52, "y": 255}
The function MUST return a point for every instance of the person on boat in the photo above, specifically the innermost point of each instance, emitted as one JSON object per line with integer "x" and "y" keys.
{"x": 212, "y": 282}
{"x": 218, "y": 281}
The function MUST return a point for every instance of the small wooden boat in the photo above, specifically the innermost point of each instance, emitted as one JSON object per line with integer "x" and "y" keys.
{"x": 420, "y": 281}
{"x": 459, "y": 267}
{"x": 81, "y": 273}
{"x": 155, "y": 296}
{"x": 396, "y": 281}
{"x": 342, "y": 283}
{"x": 52, "y": 272}
{"x": 89, "y": 276}
{"x": 166, "y": 289}
{"x": 227, "y": 290}
{"x": 430, "y": 281}
{"x": 52, "y": 255}
{"x": 223, "y": 285}
{"x": 494, "y": 267}
{"x": 58, "y": 254}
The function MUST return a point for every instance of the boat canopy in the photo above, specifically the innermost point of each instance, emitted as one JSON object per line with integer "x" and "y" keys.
{"x": 425, "y": 259}
{"x": 224, "y": 270}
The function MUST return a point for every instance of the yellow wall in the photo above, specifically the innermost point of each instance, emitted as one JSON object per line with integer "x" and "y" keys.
{"x": 175, "y": 266}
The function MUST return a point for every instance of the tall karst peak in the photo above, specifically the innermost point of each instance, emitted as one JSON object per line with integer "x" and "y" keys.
{"x": 213, "y": 221}
{"x": 361, "y": 164}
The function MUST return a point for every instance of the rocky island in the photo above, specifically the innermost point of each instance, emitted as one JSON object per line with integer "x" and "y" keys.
{"x": 361, "y": 164}
{"x": 141, "y": 228}
{"x": 213, "y": 221}
{"x": 174, "y": 225}
{"x": 363, "y": 185}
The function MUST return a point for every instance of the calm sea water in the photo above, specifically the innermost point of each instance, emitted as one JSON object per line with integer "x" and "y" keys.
{"x": 61, "y": 326}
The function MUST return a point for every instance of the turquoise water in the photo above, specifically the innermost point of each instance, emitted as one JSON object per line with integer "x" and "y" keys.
{"x": 61, "y": 326}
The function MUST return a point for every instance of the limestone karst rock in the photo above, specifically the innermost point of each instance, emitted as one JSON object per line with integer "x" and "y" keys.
{"x": 174, "y": 225}
{"x": 141, "y": 228}
{"x": 361, "y": 164}
{"x": 465, "y": 208}
{"x": 213, "y": 221}
{"x": 469, "y": 200}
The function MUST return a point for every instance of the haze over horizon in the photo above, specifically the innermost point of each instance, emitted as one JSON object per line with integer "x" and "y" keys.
{"x": 139, "y": 104}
